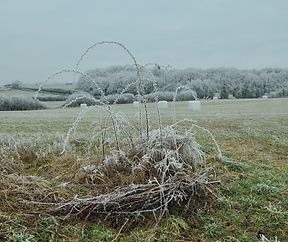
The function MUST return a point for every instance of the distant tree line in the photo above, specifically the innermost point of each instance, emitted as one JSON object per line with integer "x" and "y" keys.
{"x": 224, "y": 82}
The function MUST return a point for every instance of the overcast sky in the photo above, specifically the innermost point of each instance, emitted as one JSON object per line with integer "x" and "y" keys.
{"x": 40, "y": 37}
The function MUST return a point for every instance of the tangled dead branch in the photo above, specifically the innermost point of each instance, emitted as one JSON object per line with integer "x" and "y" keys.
{"x": 152, "y": 177}
{"x": 133, "y": 199}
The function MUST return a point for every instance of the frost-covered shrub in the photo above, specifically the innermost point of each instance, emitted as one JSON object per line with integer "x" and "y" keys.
{"x": 121, "y": 99}
{"x": 77, "y": 98}
{"x": 52, "y": 98}
{"x": 19, "y": 103}
{"x": 162, "y": 96}
{"x": 186, "y": 95}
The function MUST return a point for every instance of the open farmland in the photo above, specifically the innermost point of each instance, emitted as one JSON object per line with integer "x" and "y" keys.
{"x": 142, "y": 121}
{"x": 259, "y": 111}
{"x": 252, "y": 198}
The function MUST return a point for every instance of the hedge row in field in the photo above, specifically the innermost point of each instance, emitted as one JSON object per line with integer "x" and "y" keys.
{"x": 19, "y": 103}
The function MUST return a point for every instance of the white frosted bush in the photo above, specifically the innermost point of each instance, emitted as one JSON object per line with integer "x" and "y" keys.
{"x": 162, "y": 96}
{"x": 186, "y": 95}
{"x": 19, "y": 103}
{"x": 78, "y": 98}
{"x": 120, "y": 99}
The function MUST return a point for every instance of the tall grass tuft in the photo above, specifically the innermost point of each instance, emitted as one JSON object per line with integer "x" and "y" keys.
{"x": 139, "y": 170}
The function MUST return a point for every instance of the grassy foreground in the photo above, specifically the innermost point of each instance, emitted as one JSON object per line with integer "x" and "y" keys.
{"x": 251, "y": 200}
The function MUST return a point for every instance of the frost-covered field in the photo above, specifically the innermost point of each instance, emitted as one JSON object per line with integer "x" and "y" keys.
{"x": 59, "y": 119}
{"x": 250, "y": 200}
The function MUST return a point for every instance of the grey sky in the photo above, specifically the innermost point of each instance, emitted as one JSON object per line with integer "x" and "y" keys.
{"x": 40, "y": 37}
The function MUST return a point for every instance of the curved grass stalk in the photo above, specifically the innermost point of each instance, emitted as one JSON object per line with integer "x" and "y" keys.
{"x": 139, "y": 80}
{"x": 68, "y": 71}
{"x": 219, "y": 152}
{"x": 73, "y": 128}
{"x": 155, "y": 90}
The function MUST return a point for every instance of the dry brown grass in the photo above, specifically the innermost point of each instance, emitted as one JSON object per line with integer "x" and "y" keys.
{"x": 152, "y": 177}
{"x": 149, "y": 178}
